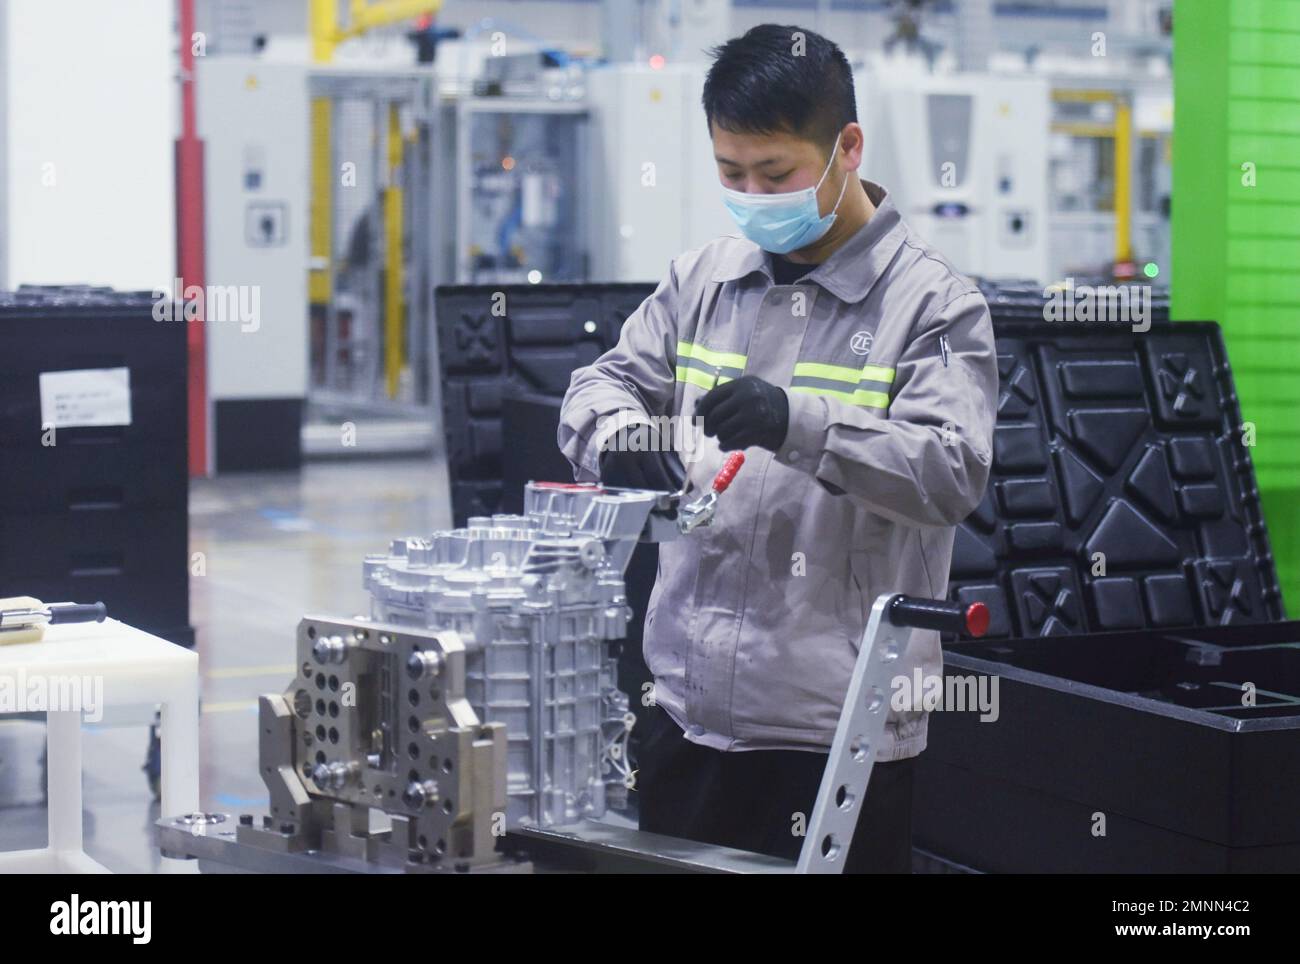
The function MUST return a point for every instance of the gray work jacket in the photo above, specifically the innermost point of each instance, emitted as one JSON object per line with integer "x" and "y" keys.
{"x": 887, "y": 357}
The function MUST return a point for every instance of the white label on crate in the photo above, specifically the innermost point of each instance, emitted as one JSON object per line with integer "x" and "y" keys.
{"x": 88, "y": 396}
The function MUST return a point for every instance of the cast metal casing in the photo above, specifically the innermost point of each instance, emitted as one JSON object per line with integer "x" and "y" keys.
{"x": 537, "y": 599}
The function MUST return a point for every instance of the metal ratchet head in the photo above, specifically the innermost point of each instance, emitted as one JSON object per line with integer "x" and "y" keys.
{"x": 701, "y": 511}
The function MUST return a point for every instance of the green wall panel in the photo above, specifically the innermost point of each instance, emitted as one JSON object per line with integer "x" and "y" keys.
{"x": 1236, "y": 246}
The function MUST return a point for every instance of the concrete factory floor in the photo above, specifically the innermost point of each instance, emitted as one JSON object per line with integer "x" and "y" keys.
{"x": 276, "y": 546}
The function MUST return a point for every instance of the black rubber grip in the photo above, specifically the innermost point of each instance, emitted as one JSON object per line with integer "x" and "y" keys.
{"x": 77, "y": 612}
{"x": 940, "y": 614}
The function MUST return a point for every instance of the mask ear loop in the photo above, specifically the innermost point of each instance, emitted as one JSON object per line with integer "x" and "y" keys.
{"x": 829, "y": 165}
{"x": 843, "y": 188}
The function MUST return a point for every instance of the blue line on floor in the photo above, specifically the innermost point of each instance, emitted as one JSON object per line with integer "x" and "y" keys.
{"x": 226, "y": 800}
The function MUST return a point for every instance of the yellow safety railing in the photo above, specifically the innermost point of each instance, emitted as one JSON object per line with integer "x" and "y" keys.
{"x": 1120, "y": 130}
{"x": 327, "y": 32}
{"x": 394, "y": 342}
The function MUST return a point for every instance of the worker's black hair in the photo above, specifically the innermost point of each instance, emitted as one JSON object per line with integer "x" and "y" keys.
{"x": 780, "y": 78}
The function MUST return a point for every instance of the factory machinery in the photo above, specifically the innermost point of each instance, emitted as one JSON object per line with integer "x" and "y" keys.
{"x": 473, "y": 722}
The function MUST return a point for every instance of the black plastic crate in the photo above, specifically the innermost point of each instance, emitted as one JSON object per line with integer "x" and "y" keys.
{"x": 102, "y": 513}
{"x": 494, "y": 340}
{"x": 67, "y": 335}
{"x": 1151, "y": 730}
{"x": 1117, "y": 686}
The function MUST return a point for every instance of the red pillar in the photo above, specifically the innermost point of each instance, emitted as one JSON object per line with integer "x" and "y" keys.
{"x": 189, "y": 240}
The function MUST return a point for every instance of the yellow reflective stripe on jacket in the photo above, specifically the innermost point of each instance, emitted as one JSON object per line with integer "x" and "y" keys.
{"x": 867, "y": 386}
{"x": 705, "y": 368}
{"x": 718, "y": 359}
{"x": 700, "y": 378}
{"x": 859, "y": 396}
{"x": 843, "y": 373}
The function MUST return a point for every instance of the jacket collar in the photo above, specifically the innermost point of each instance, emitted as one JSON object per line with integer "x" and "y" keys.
{"x": 851, "y": 270}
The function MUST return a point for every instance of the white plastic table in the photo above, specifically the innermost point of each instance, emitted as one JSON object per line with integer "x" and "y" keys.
{"x": 136, "y": 668}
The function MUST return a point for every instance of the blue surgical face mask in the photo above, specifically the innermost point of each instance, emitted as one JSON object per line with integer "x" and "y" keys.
{"x": 781, "y": 223}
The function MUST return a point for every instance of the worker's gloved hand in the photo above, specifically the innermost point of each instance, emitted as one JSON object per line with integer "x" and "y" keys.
{"x": 746, "y": 412}
{"x": 635, "y": 458}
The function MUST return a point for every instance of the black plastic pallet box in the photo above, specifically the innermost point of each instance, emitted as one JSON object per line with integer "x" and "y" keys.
{"x": 1147, "y": 687}
{"x": 1142, "y": 735}
{"x": 101, "y": 514}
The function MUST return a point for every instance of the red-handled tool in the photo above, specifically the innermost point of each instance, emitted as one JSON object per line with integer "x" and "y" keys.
{"x": 728, "y": 471}
{"x": 700, "y": 512}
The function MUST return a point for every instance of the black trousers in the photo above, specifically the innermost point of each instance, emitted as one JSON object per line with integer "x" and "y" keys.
{"x": 749, "y": 800}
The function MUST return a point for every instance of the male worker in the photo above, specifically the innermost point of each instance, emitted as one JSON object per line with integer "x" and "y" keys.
{"x": 856, "y": 370}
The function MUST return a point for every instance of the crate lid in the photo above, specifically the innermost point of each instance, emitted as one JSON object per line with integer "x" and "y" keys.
{"x": 1122, "y": 494}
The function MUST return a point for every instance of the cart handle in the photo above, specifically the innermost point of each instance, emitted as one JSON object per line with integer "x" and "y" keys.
{"x": 940, "y": 614}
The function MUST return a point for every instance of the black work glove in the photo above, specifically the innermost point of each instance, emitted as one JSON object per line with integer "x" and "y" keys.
{"x": 653, "y": 467}
{"x": 745, "y": 412}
